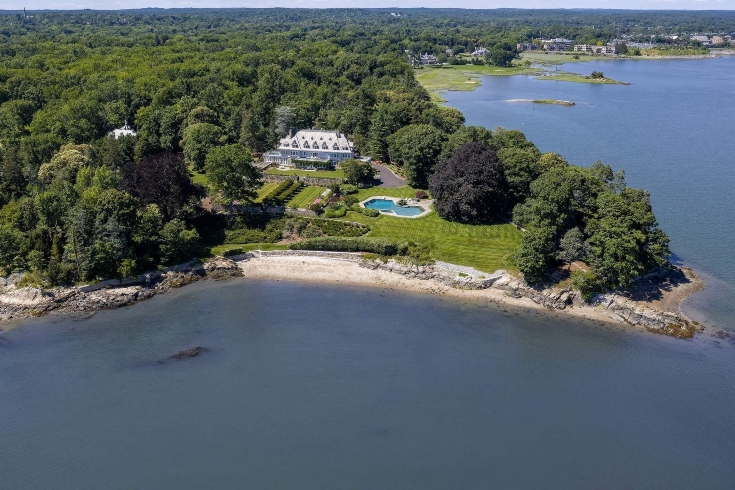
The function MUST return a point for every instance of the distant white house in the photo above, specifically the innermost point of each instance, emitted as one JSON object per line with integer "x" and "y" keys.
{"x": 312, "y": 149}
{"x": 124, "y": 131}
{"x": 479, "y": 52}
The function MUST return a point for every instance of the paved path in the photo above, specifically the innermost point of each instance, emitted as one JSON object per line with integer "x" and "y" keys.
{"x": 386, "y": 177}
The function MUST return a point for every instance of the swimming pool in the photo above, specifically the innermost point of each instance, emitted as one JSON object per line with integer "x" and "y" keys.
{"x": 387, "y": 206}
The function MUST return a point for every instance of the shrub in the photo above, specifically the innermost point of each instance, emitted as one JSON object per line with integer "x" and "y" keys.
{"x": 312, "y": 232}
{"x": 350, "y": 200}
{"x": 255, "y": 229}
{"x": 232, "y": 251}
{"x": 370, "y": 213}
{"x": 402, "y": 202}
{"x": 335, "y": 212}
{"x": 347, "y": 189}
{"x": 378, "y": 246}
{"x": 586, "y": 282}
{"x": 421, "y": 195}
{"x": 316, "y": 206}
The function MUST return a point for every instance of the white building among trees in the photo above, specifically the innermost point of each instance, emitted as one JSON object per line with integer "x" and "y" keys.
{"x": 312, "y": 149}
{"x": 124, "y": 131}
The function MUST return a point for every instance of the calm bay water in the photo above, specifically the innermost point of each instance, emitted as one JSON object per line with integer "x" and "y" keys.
{"x": 672, "y": 131}
{"x": 322, "y": 387}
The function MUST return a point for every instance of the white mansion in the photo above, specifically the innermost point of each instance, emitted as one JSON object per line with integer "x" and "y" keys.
{"x": 312, "y": 148}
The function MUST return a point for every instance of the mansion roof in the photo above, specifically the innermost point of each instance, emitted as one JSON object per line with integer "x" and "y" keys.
{"x": 316, "y": 139}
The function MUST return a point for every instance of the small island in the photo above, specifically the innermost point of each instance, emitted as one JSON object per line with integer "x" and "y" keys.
{"x": 567, "y": 103}
{"x": 594, "y": 77}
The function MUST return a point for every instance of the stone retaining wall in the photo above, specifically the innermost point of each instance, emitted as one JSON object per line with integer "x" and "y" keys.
{"x": 279, "y": 178}
{"x": 316, "y": 181}
{"x": 301, "y": 212}
{"x": 349, "y": 256}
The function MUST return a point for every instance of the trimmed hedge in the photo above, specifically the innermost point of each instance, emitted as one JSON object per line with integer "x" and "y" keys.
{"x": 289, "y": 191}
{"x": 276, "y": 191}
{"x": 370, "y": 213}
{"x": 378, "y": 246}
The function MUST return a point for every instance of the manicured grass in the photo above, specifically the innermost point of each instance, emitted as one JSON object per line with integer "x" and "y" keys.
{"x": 318, "y": 174}
{"x": 267, "y": 187}
{"x": 306, "y": 196}
{"x": 246, "y": 247}
{"x": 405, "y": 191}
{"x": 484, "y": 247}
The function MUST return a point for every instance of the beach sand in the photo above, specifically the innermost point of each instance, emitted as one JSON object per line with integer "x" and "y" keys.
{"x": 320, "y": 270}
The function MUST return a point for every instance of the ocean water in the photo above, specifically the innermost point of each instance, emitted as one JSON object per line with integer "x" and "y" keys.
{"x": 311, "y": 386}
{"x": 672, "y": 131}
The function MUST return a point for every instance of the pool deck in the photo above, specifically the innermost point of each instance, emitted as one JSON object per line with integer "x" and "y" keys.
{"x": 423, "y": 203}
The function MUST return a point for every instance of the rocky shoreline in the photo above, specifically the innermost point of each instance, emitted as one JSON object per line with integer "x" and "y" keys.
{"x": 443, "y": 278}
{"x": 20, "y": 303}
{"x": 617, "y": 307}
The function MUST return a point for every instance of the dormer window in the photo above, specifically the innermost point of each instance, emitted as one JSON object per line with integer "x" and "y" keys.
{"x": 294, "y": 144}
{"x": 306, "y": 144}
{"x": 324, "y": 146}
{"x": 335, "y": 147}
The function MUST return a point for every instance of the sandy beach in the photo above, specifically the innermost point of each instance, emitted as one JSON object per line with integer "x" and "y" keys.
{"x": 320, "y": 270}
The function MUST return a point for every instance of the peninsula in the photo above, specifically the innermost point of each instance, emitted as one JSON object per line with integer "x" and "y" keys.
{"x": 125, "y": 159}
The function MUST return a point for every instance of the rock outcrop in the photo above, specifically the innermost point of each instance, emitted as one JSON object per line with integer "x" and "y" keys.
{"x": 617, "y": 307}
{"x": 18, "y": 303}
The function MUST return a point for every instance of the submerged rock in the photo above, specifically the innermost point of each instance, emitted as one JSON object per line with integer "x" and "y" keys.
{"x": 193, "y": 352}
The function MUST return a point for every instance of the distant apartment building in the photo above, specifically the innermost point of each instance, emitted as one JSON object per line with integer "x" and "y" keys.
{"x": 557, "y": 44}
{"x": 520, "y": 47}
{"x": 702, "y": 39}
{"x": 427, "y": 59}
{"x": 584, "y": 48}
{"x": 594, "y": 49}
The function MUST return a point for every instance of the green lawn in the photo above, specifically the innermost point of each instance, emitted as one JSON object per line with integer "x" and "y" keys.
{"x": 246, "y": 247}
{"x": 267, "y": 187}
{"x": 306, "y": 196}
{"x": 319, "y": 174}
{"x": 484, "y": 247}
{"x": 404, "y": 191}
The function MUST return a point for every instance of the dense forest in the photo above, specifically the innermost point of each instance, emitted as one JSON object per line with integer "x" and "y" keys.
{"x": 207, "y": 89}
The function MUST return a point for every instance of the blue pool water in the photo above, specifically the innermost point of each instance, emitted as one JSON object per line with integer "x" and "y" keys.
{"x": 384, "y": 205}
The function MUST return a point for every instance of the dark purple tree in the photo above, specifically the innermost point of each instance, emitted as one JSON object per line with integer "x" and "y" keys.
{"x": 470, "y": 186}
{"x": 161, "y": 179}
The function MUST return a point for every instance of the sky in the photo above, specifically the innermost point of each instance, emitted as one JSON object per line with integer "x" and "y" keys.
{"x": 487, "y": 4}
